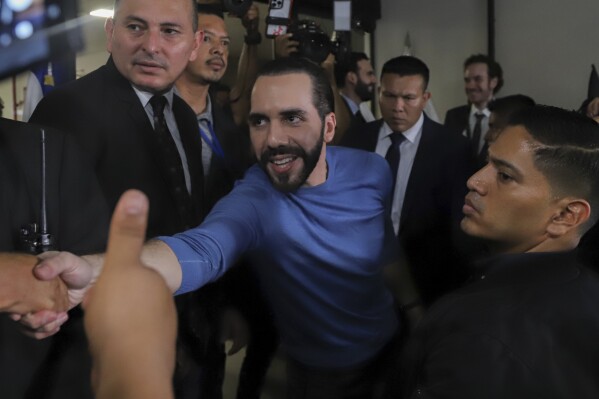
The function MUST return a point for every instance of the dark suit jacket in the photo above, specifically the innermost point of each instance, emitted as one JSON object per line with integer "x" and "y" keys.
{"x": 78, "y": 220}
{"x": 429, "y": 222}
{"x": 238, "y": 156}
{"x": 357, "y": 118}
{"x": 105, "y": 115}
{"x": 215, "y": 296}
{"x": 456, "y": 119}
{"x": 76, "y": 209}
{"x": 527, "y": 330}
{"x": 589, "y": 248}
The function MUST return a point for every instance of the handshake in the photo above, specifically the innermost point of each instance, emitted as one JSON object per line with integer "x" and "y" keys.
{"x": 128, "y": 306}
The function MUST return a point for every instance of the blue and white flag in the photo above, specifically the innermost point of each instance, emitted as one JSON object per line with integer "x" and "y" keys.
{"x": 43, "y": 79}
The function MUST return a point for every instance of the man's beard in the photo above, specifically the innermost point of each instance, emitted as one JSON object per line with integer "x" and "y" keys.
{"x": 211, "y": 76}
{"x": 209, "y": 79}
{"x": 364, "y": 91}
{"x": 283, "y": 182}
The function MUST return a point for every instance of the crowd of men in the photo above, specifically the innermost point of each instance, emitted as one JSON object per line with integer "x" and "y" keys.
{"x": 392, "y": 257}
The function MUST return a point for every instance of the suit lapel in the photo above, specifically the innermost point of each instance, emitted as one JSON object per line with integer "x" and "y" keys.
{"x": 126, "y": 99}
{"x": 466, "y": 121}
{"x": 139, "y": 124}
{"x": 370, "y": 137}
{"x": 126, "y": 95}
{"x": 418, "y": 174}
{"x": 360, "y": 118}
{"x": 186, "y": 124}
{"x": 137, "y": 119}
{"x": 192, "y": 144}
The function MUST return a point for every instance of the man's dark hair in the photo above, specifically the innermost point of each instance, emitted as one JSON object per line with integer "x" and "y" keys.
{"x": 406, "y": 65}
{"x": 342, "y": 68}
{"x": 322, "y": 93}
{"x": 210, "y": 9}
{"x": 503, "y": 108}
{"x": 194, "y": 16}
{"x": 568, "y": 152}
{"x": 493, "y": 68}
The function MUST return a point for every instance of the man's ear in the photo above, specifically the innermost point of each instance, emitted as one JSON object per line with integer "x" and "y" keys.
{"x": 108, "y": 30}
{"x": 198, "y": 38}
{"x": 329, "y": 127}
{"x": 493, "y": 83}
{"x": 352, "y": 78}
{"x": 572, "y": 214}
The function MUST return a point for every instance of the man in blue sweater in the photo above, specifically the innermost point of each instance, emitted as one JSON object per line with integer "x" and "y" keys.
{"x": 315, "y": 219}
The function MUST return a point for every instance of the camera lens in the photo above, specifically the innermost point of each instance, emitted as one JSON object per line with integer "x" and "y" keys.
{"x": 314, "y": 43}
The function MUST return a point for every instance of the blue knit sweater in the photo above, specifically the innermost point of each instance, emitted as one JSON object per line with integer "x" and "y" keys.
{"x": 319, "y": 253}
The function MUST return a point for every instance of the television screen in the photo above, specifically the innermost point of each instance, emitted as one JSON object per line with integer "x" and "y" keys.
{"x": 34, "y": 31}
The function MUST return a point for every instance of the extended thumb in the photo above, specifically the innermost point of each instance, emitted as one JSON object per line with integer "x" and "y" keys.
{"x": 127, "y": 230}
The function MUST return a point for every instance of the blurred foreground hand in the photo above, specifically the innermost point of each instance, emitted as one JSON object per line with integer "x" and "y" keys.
{"x": 130, "y": 316}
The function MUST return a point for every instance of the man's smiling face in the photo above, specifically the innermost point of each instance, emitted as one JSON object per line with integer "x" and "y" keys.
{"x": 286, "y": 131}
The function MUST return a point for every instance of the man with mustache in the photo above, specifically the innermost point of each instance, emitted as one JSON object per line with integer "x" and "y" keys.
{"x": 314, "y": 219}
{"x": 527, "y": 325}
{"x": 225, "y": 147}
{"x": 430, "y": 166}
{"x": 483, "y": 78}
{"x": 136, "y": 131}
{"x": 111, "y": 114}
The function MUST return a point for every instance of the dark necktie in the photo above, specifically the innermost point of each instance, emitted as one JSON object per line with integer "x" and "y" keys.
{"x": 360, "y": 117}
{"x": 172, "y": 160}
{"x": 393, "y": 155}
{"x": 477, "y": 132}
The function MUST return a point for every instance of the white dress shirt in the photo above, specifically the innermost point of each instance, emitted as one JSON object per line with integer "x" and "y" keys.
{"x": 484, "y": 124}
{"x": 407, "y": 150}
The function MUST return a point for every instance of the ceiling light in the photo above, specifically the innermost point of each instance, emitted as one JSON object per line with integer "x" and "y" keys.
{"x": 102, "y": 12}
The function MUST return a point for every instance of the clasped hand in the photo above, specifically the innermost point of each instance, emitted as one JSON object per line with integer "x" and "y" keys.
{"x": 21, "y": 293}
{"x": 72, "y": 277}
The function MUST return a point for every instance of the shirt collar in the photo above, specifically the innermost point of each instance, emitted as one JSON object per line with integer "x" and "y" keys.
{"x": 411, "y": 134}
{"x": 145, "y": 96}
{"x": 474, "y": 111}
{"x": 353, "y": 107}
{"x": 207, "y": 114}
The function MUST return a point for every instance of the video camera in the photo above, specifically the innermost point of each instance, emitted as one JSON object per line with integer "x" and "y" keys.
{"x": 314, "y": 43}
